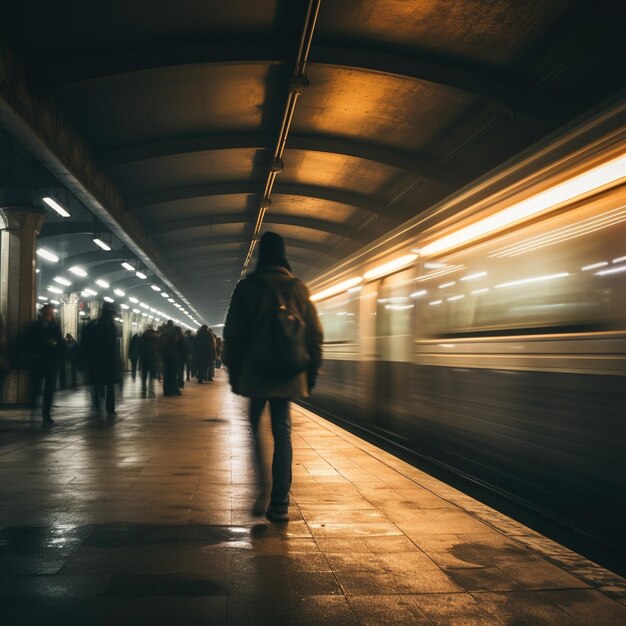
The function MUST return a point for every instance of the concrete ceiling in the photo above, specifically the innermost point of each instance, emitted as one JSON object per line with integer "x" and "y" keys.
{"x": 180, "y": 106}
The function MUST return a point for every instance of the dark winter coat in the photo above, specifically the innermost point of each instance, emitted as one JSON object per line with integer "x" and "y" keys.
{"x": 203, "y": 349}
{"x": 101, "y": 349}
{"x": 45, "y": 345}
{"x": 250, "y": 301}
{"x": 149, "y": 349}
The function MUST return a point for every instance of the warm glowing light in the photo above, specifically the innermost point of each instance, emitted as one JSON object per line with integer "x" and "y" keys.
{"x": 46, "y": 254}
{"x": 102, "y": 283}
{"x": 478, "y": 291}
{"x": 474, "y": 276}
{"x": 101, "y": 244}
{"x": 418, "y": 294}
{"x": 56, "y": 206}
{"x": 335, "y": 289}
{"x": 619, "y": 260}
{"x": 62, "y": 281}
{"x": 78, "y": 271}
{"x": 454, "y": 298}
{"x": 594, "y": 266}
{"x": 613, "y": 270}
{"x": 390, "y": 266}
{"x": 534, "y": 279}
{"x": 607, "y": 174}
{"x": 435, "y": 302}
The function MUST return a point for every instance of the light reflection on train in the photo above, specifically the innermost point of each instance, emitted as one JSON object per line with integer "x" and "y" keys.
{"x": 500, "y": 352}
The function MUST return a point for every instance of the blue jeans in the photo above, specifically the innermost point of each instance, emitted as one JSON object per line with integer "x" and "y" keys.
{"x": 283, "y": 453}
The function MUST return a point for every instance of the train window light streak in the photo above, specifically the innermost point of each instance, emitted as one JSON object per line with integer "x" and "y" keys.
{"x": 474, "y": 276}
{"x": 435, "y": 302}
{"x": 619, "y": 260}
{"x": 390, "y": 266}
{"x": 446, "y": 285}
{"x": 141, "y": 275}
{"x": 440, "y": 272}
{"x": 534, "y": 279}
{"x": 613, "y": 270}
{"x": 48, "y": 255}
{"x": 479, "y": 291}
{"x": 418, "y": 294}
{"x": 127, "y": 266}
{"x": 399, "y": 307}
{"x": 453, "y": 298}
{"x": 53, "y": 204}
{"x": 335, "y": 289}
{"x": 584, "y": 227}
{"x": 607, "y": 174}
{"x": 594, "y": 266}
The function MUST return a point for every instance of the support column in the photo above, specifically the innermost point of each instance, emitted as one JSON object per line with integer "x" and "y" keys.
{"x": 127, "y": 333}
{"x": 18, "y": 292}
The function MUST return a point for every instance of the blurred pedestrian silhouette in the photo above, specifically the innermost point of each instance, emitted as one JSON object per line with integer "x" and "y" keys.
{"x": 203, "y": 353}
{"x": 44, "y": 344}
{"x": 269, "y": 300}
{"x": 133, "y": 355}
{"x": 148, "y": 359}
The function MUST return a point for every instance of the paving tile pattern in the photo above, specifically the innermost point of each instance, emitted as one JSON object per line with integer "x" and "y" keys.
{"x": 147, "y": 519}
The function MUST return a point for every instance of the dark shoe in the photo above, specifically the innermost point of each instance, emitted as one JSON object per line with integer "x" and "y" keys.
{"x": 275, "y": 516}
{"x": 48, "y": 420}
{"x": 144, "y": 393}
{"x": 111, "y": 414}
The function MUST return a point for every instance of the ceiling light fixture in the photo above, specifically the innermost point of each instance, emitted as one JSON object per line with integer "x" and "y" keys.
{"x": 119, "y": 292}
{"x": 141, "y": 275}
{"x": 155, "y": 287}
{"x": 127, "y": 266}
{"x": 101, "y": 244}
{"x": 56, "y": 206}
{"x": 78, "y": 271}
{"x": 102, "y": 283}
{"x": 46, "y": 254}
{"x": 390, "y": 266}
{"x": 62, "y": 281}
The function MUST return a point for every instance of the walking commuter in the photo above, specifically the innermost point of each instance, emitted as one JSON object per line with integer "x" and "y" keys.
{"x": 203, "y": 353}
{"x": 182, "y": 355}
{"x": 71, "y": 356}
{"x": 212, "y": 360}
{"x": 44, "y": 343}
{"x": 148, "y": 359}
{"x": 170, "y": 355}
{"x": 100, "y": 346}
{"x": 188, "y": 353}
{"x": 133, "y": 355}
{"x": 267, "y": 371}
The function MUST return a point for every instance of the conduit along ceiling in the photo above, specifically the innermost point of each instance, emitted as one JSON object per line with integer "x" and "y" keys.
{"x": 189, "y": 128}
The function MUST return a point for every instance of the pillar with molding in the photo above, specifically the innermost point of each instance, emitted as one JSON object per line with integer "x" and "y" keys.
{"x": 18, "y": 292}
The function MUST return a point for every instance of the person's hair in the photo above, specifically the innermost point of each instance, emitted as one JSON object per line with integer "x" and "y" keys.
{"x": 272, "y": 251}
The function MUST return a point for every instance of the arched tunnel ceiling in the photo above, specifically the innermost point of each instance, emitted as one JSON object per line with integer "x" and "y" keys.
{"x": 180, "y": 106}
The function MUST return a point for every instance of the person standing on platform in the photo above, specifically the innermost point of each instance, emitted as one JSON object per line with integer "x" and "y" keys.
{"x": 44, "y": 343}
{"x": 266, "y": 370}
{"x": 100, "y": 346}
{"x": 203, "y": 352}
{"x": 149, "y": 359}
{"x": 170, "y": 355}
{"x": 188, "y": 353}
{"x": 182, "y": 352}
{"x": 133, "y": 355}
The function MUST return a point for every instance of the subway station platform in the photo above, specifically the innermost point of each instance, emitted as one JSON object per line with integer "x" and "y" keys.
{"x": 145, "y": 519}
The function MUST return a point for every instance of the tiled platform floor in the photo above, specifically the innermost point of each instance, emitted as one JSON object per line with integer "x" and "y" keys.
{"x": 145, "y": 520}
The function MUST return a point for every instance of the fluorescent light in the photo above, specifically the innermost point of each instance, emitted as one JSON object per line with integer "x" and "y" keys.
{"x": 46, "y": 254}
{"x": 128, "y": 266}
{"x": 165, "y": 295}
{"x": 62, "y": 281}
{"x": 56, "y": 206}
{"x": 534, "y": 279}
{"x": 434, "y": 302}
{"x": 42, "y": 297}
{"x": 143, "y": 305}
{"x": 418, "y": 294}
{"x": 89, "y": 292}
{"x": 155, "y": 287}
{"x": 81, "y": 313}
{"x": 170, "y": 300}
{"x": 119, "y": 292}
{"x": 107, "y": 299}
{"x": 141, "y": 275}
{"x": 601, "y": 176}
{"x": 78, "y": 271}
{"x": 390, "y": 266}
{"x": 55, "y": 289}
{"x": 133, "y": 300}
{"x": 620, "y": 259}
{"x": 477, "y": 291}
{"x": 54, "y": 302}
{"x": 445, "y": 285}
{"x": 102, "y": 283}
{"x": 335, "y": 289}
{"x": 453, "y": 298}
{"x": 124, "y": 306}
{"x": 594, "y": 266}
{"x": 101, "y": 244}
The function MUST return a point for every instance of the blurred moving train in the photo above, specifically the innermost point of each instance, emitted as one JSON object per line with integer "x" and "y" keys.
{"x": 489, "y": 335}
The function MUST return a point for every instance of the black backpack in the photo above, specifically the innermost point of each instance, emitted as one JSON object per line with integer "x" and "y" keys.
{"x": 280, "y": 345}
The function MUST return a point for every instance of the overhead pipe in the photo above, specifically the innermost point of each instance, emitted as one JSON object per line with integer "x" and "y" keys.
{"x": 297, "y": 84}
